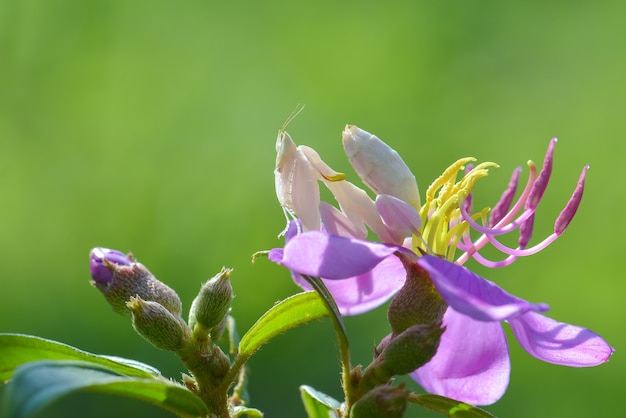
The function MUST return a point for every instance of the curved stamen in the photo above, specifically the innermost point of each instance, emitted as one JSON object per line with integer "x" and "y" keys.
{"x": 544, "y": 176}
{"x": 503, "y": 205}
{"x": 498, "y": 231}
{"x": 482, "y": 241}
{"x": 523, "y": 252}
{"x": 566, "y": 215}
{"x": 489, "y": 263}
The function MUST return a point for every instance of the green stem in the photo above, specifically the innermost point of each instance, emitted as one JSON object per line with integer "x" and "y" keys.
{"x": 207, "y": 368}
{"x": 318, "y": 285}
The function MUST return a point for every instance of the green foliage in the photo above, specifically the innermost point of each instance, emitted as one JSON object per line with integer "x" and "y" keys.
{"x": 150, "y": 126}
{"x": 318, "y": 404}
{"x": 17, "y": 349}
{"x": 37, "y": 384}
{"x": 449, "y": 407}
{"x": 289, "y": 313}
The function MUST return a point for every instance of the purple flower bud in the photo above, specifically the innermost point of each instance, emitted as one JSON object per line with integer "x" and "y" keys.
{"x": 541, "y": 183}
{"x": 120, "y": 277}
{"x": 566, "y": 215}
{"x": 99, "y": 257}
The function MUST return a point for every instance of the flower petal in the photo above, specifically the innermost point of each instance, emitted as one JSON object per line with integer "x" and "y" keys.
{"x": 472, "y": 295}
{"x": 318, "y": 254}
{"x": 362, "y": 293}
{"x": 400, "y": 218}
{"x": 559, "y": 343}
{"x": 472, "y": 362}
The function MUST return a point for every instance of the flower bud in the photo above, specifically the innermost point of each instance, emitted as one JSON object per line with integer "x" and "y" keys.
{"x": 119, "y": 277}
{"x": 213, "y": 302}
{"x": 100, "y": 272}
{"x": 219, "y": 364}
{"x": 411, "y": 349}
{"x": 417, "y": 302}
{"x": 158, "y": 325}
{"x": 382, "y": 402}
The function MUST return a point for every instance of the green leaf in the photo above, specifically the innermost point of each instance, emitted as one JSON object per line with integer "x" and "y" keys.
{"x": 244, "y": 411}
{"x": 17, "y": 349}
{"x": 449, "y": 407}
{"x": 318, "y": 404}
{"x": 36, "y": 385}
{"x": 295, "y": 310}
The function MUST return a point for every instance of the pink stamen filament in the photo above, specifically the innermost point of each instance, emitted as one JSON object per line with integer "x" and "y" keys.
{"x": 484, "y": 261}
{"x": 484, "y": 239}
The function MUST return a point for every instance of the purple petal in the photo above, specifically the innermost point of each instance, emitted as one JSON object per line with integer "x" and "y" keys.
{"x": 318, "y": 254}
{"x": 559, "y": 343}
{"x": 472, "y": 295}
{"x": 400, "y": 218}
{"x": 359, "y": 294}
{"x": 99, "y": 270}
{"x": 472, "y": 361}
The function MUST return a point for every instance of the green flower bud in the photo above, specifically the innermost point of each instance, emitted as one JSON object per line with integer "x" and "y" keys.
{"x": 119, "y": 279}
{"x": 417, "y": 302}
{"x": 382, "y": 402}
{"x": 219, "y": 364}
{"x": 158, "y": 325}
{"x": 410, "y": 350}
{"x": 213, "y": 302}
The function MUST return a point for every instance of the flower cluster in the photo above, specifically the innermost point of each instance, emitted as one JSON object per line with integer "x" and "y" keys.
{"x": 421, "y": 240}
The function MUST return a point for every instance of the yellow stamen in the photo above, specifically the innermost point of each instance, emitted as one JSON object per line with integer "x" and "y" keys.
{"x": 442, "y": 224}
{"x": 448, "y": 175}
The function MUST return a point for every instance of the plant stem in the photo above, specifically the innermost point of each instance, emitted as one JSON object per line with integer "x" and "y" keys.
{"x": 207, "y": 368}
{"x": 344, "y": 347}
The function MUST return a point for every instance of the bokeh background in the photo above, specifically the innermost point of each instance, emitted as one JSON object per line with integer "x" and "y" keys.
{"x": 149, "y": 126}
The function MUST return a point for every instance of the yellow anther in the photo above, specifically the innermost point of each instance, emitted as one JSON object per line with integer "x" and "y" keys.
{"x": 466, "y": 185}
{"x": 449, "y": 175}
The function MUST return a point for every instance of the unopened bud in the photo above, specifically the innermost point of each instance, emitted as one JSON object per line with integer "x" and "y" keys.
{"x": 213, "y": 302}
{"x": 411, "y": 349}
{"x": 158, "y": 325}
{"x": 119, "y": 277}
{"x": 382, "y": 402}
{"x": 219, "y": 364}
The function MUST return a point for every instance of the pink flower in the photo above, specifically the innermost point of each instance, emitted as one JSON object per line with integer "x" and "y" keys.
{"x": 472, "y": 361}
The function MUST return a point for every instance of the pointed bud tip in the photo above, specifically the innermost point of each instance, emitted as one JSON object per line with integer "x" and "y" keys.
{"x": 213, "y": 302}
{"x": 156, "y": 324}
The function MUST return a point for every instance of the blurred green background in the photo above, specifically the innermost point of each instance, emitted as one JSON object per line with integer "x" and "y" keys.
{"x": 149, "y": 126}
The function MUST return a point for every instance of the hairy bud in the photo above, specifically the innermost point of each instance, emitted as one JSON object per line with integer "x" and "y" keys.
{"x": 213, "y": 302}
{"x": 158, "y": 325}
{"x": 382, "y": 402}
{"x": 119, "y": 277}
